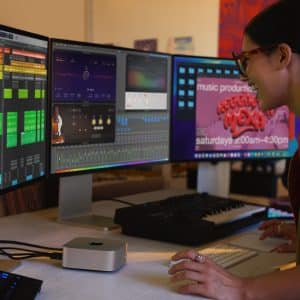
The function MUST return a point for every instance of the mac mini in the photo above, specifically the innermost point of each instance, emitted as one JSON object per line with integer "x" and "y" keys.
{"x": 87, "y": 253}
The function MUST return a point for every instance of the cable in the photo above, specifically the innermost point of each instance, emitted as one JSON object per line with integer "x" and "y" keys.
{"x": 29, "y": 245}
{"x": 122, "y": 201}
{"x": 53, "y": 253}
{"x": 28, "y": 253}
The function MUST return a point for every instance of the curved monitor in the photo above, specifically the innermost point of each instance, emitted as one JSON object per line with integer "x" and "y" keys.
{"x": 110, "y": 107}
{"x": 215, "y": 116}
{"x": 23, "y": 104}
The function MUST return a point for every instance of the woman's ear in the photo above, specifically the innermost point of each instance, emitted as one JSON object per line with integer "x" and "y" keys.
{"x": 284, "y": 55}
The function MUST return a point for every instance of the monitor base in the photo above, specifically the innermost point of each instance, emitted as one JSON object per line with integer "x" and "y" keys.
{"x": 101, "y": 222}
{"x": 214, "y": 178}
{"x": 75, "y": 203}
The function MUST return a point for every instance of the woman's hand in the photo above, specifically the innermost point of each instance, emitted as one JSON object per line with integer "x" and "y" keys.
{"x": 277, "y": 228}
{"x": 205, "y": 278}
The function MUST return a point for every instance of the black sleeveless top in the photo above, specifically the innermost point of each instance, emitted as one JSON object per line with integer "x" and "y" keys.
{"x": 294, "y": 183}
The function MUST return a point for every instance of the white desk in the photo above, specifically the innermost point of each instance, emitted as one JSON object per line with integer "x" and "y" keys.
{"x": 143, "y": 277}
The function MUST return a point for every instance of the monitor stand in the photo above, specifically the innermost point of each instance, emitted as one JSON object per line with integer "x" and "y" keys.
{"x": 214, "y": 178}
{"x": 75, "y": 203}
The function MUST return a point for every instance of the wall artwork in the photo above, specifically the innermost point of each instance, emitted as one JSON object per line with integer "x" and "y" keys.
{"x": 146, "y": 44}
{"x": 234, "y": 15}
{"x": 181, "y": 45}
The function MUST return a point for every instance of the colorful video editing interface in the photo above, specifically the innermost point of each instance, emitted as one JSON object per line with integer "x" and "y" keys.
{"x": 217, "y": 116}
{"x": 110, "y": 107}
{"x": 23, "y": 85}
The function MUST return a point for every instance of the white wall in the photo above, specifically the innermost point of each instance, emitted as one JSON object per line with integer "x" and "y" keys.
{"x": 56, "y": 18}
{"x": 122, "y": 21}
{"x": 118, "y": 21}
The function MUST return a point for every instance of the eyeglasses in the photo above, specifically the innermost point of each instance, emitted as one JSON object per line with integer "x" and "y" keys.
{"x": 242, "y": 58}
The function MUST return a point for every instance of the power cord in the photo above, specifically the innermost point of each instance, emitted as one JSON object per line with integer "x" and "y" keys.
{"x": 122, "y": 201}
{"x": 29, "y": 251}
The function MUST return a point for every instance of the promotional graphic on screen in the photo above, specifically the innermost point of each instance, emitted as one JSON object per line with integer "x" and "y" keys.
{"x": 217, "y": 116}
{"x": 23, "y": 103}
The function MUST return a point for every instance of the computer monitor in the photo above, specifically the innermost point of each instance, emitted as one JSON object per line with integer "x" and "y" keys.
{"x": 216, "y": 117}
{"x": 110, "y": 108}
{"x": 23, "y": 105}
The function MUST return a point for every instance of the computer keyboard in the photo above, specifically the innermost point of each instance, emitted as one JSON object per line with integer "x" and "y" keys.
{"x": 18, "y": 287}
{"x": 228, "y": 255}
{"x": 190, "y": 219}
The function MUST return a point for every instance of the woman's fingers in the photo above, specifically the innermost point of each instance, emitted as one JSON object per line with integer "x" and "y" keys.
{"x": 186, "y": 254}
{"x": 189, "y": 265}
{"x": 269, "y": 231}
{"x": 269, "y": 223}
{"x": 285, "y": 230}
{"x": 287, "y": 247}
{"x": 203, "y": 277}
{"x": 188, "y": 275}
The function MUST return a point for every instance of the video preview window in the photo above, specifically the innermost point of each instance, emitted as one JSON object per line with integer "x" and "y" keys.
{"x": 228, "y": 117}
{"x": 146, "y": 83}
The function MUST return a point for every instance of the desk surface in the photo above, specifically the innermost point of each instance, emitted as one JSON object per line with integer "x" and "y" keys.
{"x": 143, "y": 277}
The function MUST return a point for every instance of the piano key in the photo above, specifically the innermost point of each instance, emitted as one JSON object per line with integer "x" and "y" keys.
{"x": 234, "y": 214}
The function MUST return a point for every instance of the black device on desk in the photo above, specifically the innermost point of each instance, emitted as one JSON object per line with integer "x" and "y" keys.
{"x": 18, "y": 287}
{"x": 190, "y": 219}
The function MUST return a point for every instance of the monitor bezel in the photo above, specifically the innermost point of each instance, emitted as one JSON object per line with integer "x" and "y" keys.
{"x": 105, "y": 46}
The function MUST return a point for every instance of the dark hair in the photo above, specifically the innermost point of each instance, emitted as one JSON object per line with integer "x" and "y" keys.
{"x": 278, "y": 23}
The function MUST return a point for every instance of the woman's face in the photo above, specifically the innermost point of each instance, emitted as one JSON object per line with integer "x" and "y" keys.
{"x": 265, "y": 76}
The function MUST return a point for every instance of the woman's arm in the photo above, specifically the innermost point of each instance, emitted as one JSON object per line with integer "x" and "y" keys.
{"x": 210, "y": 280}
{"x": 277, "y": 285}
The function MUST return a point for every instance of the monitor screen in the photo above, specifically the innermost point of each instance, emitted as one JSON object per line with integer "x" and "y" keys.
{"x": 216, "y": 116}
{"x": 23, "y": 104}
{"x": 110, "y": 107}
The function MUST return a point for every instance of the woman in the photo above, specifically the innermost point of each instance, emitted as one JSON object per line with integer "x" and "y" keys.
{"x": 270, "y": 63}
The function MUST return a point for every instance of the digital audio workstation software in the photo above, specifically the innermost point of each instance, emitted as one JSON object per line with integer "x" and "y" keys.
{"x": 215, "y": 116}
{"x": 23, "y": 85}
{"x": 110, "y": 107}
